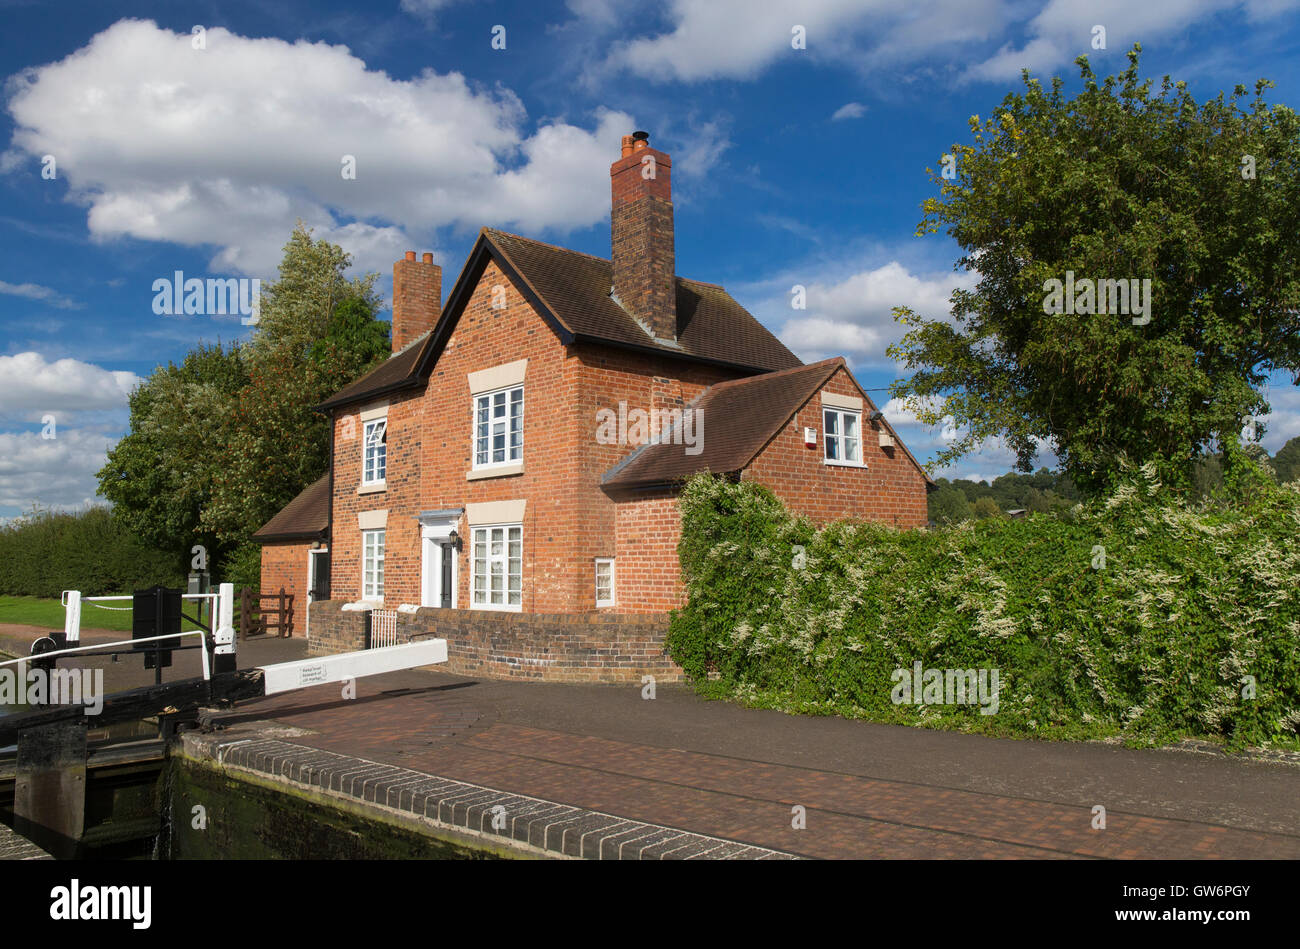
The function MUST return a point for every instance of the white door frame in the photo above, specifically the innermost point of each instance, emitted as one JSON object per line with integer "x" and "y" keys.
{"x": 312, "y": 552}
{"x": 435, "y": 530}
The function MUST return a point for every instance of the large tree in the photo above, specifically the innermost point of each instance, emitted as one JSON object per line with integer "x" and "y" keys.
{"x": 160, "y": 475}
{"x": 296, "y": 309}
{"x": 1117, "y": 183}
{"x": 223, "y": 441}
{"x": 276, "y": 443}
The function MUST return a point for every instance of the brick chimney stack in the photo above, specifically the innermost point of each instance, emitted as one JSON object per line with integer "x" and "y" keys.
{"x": 641, "y": 225}
{"x": 417, "y": 298}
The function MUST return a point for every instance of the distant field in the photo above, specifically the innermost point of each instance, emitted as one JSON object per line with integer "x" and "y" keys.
{"x": 48, "y": 614}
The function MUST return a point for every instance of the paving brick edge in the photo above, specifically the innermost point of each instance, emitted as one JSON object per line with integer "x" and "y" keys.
{"x": 533, "y": 825}
{"x": 14, "y": 846}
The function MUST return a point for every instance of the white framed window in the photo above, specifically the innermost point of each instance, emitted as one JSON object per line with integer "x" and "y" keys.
{"x": 374, "y": 465}
{"x": 499, "y": 427}
{"x": 843, "y": 436}
{"x": 604, "y": 581}
{"x": 497, "y": 562}
{"x": 372, "y": 565}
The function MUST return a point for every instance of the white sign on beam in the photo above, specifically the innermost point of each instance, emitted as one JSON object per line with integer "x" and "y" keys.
{"x": 303, "y": 673}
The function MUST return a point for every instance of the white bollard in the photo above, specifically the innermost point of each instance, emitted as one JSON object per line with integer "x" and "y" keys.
{"x": 72, "y": 616}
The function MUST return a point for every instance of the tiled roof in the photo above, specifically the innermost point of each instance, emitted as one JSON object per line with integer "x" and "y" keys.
{"x": 572, "y": 292}
{"x": 306, "y": 517}
{"x": 576, "y": 289}
{"x": 396, "y": 371}
{"x": 740, "y": 417}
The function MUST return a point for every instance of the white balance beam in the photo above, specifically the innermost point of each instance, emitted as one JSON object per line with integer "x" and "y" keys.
{"x": 304, "y": 673}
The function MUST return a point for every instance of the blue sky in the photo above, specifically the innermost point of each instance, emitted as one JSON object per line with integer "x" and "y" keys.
{"x": 790, "y": 165}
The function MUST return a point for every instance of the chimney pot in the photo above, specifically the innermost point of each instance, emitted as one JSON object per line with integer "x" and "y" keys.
{"x": 428, "y": 258}
{"x": 410, "y": 255}
{"x": 627, "y": 146}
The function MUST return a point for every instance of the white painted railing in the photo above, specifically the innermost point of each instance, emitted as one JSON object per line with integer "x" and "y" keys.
{"x": 383, "y": 628}
{"x": 221, "y": 615}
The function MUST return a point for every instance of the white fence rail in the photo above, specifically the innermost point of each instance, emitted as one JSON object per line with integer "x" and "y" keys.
{"x": 383, "y": 629}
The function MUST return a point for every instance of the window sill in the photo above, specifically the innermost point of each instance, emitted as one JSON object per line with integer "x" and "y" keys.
{"x": 843, "y": 464}
{"x": 496, "y": 608}
{"x": 374, "y": 488}
{"x": 499, "y": 471}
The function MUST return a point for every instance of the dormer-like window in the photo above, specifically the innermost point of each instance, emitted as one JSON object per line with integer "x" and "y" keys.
{"x": 843, "y": 436}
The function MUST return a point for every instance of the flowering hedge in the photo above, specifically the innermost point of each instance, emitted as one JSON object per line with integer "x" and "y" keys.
{"x": 1142, "y": 614}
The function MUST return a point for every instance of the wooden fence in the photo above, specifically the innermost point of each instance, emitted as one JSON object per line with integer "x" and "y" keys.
{"x": 255, "y": 619}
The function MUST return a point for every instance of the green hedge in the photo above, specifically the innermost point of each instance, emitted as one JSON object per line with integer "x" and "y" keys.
{"x": 45, "y": 553}
{"x": 1153, "y": 642}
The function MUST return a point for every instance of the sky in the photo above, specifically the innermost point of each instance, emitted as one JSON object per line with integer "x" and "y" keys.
{"x": 137, "y": 140}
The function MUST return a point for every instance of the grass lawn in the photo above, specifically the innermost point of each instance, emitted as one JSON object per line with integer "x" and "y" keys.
{"x": 48, "y": 614}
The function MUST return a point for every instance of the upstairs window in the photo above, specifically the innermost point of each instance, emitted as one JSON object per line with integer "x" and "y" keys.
{"x": 499, "y": 427}
{"x": 374, "y": 466}
{"x": 843, "y": 436}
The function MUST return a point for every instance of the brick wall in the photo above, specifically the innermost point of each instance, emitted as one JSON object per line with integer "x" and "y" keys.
{"x": 606, "y": 377}
{"x": 890, "y": 489}
{"x": 591, "y": 647}
{"x": 285, "y": 565}
{"x": 648, "y": 528}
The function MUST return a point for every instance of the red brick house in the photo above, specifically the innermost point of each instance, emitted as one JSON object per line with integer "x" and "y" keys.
{"x": 512, "y": 469}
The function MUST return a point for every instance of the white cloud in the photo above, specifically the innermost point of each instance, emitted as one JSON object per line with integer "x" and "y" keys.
{"x": 425, "y": 6}
{"x": 1063, "y": 29}
{"x": 28, "y": 383}
{"x": 713, "y": 39}
{"x": 34, "y": 291}
{"x": 850, "y": 110}
{"x": 57, "y": 472}
{"x": 1283, "y": 423}
{"x": 228, "y": 145}
{"x": 738, "y": 39}
{"x": 989, "y": 459}
{"x": 853, "y": 315}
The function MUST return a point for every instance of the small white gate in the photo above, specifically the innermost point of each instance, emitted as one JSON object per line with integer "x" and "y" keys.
{"x": 383, "y": 628}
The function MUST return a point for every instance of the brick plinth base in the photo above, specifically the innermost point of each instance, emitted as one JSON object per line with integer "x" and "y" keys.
{"x": 577, "y": 647}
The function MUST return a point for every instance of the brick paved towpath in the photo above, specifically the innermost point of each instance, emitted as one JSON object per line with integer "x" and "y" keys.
{"x": 714, "y": 769}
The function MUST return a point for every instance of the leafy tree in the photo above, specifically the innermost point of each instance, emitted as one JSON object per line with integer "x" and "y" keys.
{"x": 1117, "y": 183}
{"x": 948, "y": 504}
{"x": 160, "y": 475}
{"x": 1286, "y": 463}
{"x": 220, "y": 443}
{"x": 986, "y": 507}
{"x": 277, "y": 443}
{"x": 296, "y": 309}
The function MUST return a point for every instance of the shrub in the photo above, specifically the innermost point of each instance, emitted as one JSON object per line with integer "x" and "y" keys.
{"x": 1142, "y": 614}
{"x": 90, "y": 550}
